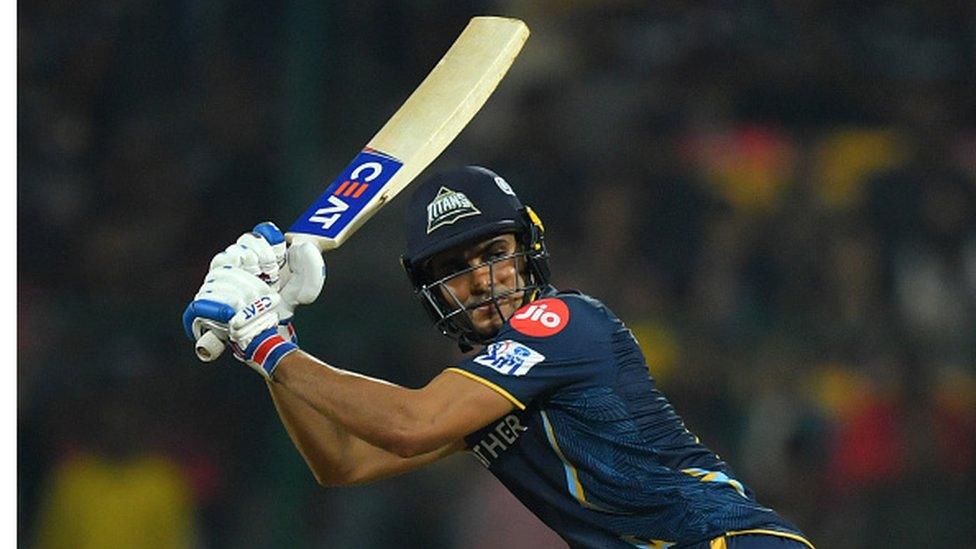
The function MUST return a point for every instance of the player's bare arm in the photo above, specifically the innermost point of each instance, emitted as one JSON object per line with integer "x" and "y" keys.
{"x": 333, "y": 454}
{"x": 404, "y": 422}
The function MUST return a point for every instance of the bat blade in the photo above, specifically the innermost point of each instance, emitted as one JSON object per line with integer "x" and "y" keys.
{"x": 426, "y": 123}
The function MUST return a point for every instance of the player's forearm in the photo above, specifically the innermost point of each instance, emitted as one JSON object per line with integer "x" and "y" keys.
{"x": 382, "y": 414}
{"x": 322, "y": 444}
{"x": 336, "y": 457}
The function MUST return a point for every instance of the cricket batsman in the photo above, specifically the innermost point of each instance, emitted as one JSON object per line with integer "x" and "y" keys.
{"x": 556, "y": 399}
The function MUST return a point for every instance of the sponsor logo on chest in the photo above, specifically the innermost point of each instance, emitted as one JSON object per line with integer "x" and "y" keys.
{"x": 495, "y": 441}
{"x": 541, "y": 318}
{"x": 510, "y": 358}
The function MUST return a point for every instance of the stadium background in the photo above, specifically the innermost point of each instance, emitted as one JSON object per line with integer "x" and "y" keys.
{"x": 779, "y": 198}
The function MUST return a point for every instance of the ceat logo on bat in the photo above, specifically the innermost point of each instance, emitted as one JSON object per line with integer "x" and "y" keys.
{"x": 363, "y": 179}
{"x": 541, "y": 318}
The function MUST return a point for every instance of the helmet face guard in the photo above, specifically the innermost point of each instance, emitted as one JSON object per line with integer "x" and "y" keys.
{"x": 453, "y": 318}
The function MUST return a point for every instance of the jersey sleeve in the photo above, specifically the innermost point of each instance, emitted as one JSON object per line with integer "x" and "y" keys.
{"x": 548, "y": 344}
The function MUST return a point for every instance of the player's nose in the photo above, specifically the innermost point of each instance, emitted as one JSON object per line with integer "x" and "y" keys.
{"x": 480, "y": 280}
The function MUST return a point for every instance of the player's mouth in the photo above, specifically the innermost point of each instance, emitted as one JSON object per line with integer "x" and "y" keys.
{"x": 507, "y": 302}
{"x": 492, "y": 309}
{"x": 484, "y": 312}
{"x": 486, "y": 318}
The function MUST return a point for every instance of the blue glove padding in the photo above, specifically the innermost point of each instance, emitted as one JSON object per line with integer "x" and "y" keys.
{"x": 270, "y": 232}
{"x": 219, "y": 313}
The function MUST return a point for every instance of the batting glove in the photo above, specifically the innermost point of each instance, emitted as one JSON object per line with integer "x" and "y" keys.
{"x": 242, "y": 306}
{"x": 298, "y": 271}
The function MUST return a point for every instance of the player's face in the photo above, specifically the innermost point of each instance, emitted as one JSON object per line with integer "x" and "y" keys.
{"x": 488, "y": 272}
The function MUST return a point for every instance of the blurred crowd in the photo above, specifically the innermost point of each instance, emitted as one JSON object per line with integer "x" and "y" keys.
{"x": 778, "y": 198}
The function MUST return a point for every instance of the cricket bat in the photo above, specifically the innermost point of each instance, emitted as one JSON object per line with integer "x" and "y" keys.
{"x": 416, "y": 134}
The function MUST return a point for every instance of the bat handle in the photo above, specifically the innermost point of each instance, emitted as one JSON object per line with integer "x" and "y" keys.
{"x": 209, "y": 347}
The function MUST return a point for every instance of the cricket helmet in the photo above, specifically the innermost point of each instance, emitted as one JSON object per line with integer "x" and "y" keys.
{"x": 467, "y": 205}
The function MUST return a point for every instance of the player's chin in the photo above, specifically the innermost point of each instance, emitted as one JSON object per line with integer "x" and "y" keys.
{"x": 486, "y": 319}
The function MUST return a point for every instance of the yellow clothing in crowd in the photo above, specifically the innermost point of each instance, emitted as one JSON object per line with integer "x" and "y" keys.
{"x": 96, "y": 502}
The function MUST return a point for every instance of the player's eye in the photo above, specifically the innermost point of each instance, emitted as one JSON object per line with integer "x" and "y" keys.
{"x": 496, "y": 252}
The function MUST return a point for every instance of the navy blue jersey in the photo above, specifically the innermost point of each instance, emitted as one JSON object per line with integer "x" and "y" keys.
{"x": 593, "y": 448}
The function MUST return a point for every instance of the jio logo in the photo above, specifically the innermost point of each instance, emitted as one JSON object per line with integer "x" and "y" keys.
{"x": 541, "y": 318}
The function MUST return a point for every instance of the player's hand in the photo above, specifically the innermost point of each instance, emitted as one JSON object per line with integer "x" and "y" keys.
{"x": 302, "y": 270}
{"x": 243, "y": 306}
{"x": 298, "y": 271}
{"x": 253, "y": 254}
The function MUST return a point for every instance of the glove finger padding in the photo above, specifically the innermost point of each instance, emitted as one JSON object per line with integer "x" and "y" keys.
{"x": 253, "y": 254}
{"x": 266, "y": 266}
{"x": 274, "y": 237}
{"x": 231, "y": 285}
{"x": 234, "y": 255}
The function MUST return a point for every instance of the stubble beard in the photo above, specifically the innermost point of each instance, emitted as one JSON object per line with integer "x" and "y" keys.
{"x": 487, "y": 321}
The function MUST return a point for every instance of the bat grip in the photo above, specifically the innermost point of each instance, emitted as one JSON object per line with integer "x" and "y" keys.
{"x": 209, "y": 347}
